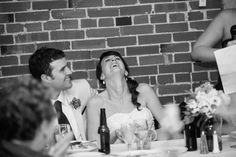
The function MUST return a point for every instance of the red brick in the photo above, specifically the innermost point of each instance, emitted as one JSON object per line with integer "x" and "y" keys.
{"x": 70, "y": 24}
{"x": 212, "y": 13}
{"x": 152, "y": 39}
{"x": 201, "y": 25}
{"x": 15, "y": 6}
{"x": 174, "y": 27}
{"x": 180, "y": 98}
{"x": 14, "y": 28}
{"x": 131, "y": 61}
{"x": 105, "y": 32}
{"x": 85, "y": 4}
{"x": 58, "y": 45}
{"x": 24, "y": 59}
{"x": 84, "y": 65}
{"x": 78, "y": 55}
{"x": 143, "y": 79}
{"x": 79, "y": 74}
{"x": 31, "y": 27}
{"x": 141, "y": 19}
{"x": 186, "y": 36}
{"x": 142, "y": 50}
{"x": 129, "y": 30}
{"x": 164, "y": 79}
{"x": 15, "y": 70}
{"x": 144, "y": 70}
{"x": 211, "y": 4}
{"x": 183, "y": 57}
{"x": 175, "y": 68}
{"x": 134, "y": 10}
{"x": 31, "y": 37}
{"x": 122, "y": 21}
{"x": 156, "y": 1}
{"x": 88, "y": 44}
{"x": 176, "y": 17}
{"x": 2, "y": 29}
{"x": 9, "y": 60}
{"x": 103, "y": 12}
{"x": 49, "y": 4}
{"x": 200, "y": 76}
{"x": 178, "y": 47}
{"x": 68, "y": 13}
{"x": 6, "y": 39}
{"x": 119, "y": 2}
{"x": 6, "y": 18}
{"x": 73, "y": 34}
{"x": 182, "y": 77}
{"x": 106, "y": 22}
{"x": 171, "y": 7}
{"x": 214, "y": 75}
{"x": 147, "y": 60}
{"x": 174, "y": 89}
{"x": 32, "y": 16}
{"x": 153, "y": 80}
{"x": 166, "y": 99}
{"x": 195, "y": 16}
{"x": 92, "y": 74}
{"x": 97, "y": 53}
{"x": 198, "y": 66}
{"x": 17, "y": 49}
{"x": 121, "y": 41}
{"x": 51, "y": 25}
{"x": 86, "y": 23}
{"x": 158, "y": 18}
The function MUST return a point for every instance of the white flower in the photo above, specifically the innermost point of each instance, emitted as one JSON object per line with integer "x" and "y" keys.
{"x": 215, "y": 100}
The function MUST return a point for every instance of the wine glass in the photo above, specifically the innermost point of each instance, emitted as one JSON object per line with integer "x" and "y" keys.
{"x": 141, "y": 132}
{"x": 61, "y": 131}
{"x": 126, "y": 134}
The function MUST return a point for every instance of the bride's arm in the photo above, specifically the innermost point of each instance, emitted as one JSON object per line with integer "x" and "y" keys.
{"x": 93, "y": 118}
{"x": 151, "y": 100}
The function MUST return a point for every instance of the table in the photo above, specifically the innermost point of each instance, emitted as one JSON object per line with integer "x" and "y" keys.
{"x": 159, "y": 145}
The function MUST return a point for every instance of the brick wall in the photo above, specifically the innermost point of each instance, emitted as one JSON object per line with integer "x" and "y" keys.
{"x": 154, "y": 36}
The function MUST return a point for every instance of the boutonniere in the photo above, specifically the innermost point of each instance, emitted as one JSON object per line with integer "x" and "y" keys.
{"x": 75, "y": 103}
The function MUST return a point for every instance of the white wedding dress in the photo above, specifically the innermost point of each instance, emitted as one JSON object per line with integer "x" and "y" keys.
{"x": 115, "y": 121}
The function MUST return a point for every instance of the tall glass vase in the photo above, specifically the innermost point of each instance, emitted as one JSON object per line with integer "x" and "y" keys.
{"x": 190, "y": 136}
{"x": 209, "y": 126}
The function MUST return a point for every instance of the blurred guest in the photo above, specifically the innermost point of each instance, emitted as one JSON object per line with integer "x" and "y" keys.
{"x": 123, "y": 98}
{"x": 217, "y": 32}
{"x": 50, "y": 66}
{"x": 27, "y": 120}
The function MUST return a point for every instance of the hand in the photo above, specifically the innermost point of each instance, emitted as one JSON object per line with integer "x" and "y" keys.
{"x": 59, "y": 149}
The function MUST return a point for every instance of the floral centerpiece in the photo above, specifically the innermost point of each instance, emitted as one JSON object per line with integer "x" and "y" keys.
{"x": 205, "y": 101}
{"x": 205, "y": 104}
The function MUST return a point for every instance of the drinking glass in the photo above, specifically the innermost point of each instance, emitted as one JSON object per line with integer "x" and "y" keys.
{"x": 141, "y": 132}
{"x": 126, "y": 134}
{"x": 61, "y": 131}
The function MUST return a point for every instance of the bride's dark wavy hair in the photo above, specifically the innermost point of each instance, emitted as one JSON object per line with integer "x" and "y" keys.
{"x": 132, "y": 84}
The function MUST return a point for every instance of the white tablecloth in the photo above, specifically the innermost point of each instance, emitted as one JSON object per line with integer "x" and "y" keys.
{"x": 163, "y": 145}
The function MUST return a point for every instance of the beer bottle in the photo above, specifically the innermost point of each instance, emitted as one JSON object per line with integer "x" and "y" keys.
{"x": 104, "y": 132}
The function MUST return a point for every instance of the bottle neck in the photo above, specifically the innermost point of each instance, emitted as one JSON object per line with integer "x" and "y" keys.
{"x": 103, "y": 119}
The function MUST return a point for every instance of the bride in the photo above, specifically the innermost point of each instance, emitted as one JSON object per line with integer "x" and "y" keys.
{"x": 123, "y": 98}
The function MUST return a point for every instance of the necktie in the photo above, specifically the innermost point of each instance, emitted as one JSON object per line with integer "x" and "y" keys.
{"x": 60, "y": 115}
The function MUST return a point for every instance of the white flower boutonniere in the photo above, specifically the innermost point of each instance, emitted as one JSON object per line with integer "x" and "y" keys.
{"x": 75, "y": 103}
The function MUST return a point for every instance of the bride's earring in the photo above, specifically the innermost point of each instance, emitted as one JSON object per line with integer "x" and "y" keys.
{"x": 126, "y": 75}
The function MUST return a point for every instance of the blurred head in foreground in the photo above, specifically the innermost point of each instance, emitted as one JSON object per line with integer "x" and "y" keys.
{"x": 27, "y": 117}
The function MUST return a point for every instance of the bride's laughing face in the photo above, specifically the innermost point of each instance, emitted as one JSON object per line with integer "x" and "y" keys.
{"x": 112, "y": 64}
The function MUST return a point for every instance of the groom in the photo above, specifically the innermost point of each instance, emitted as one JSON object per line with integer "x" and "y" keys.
{"x": 49, "y": 66}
